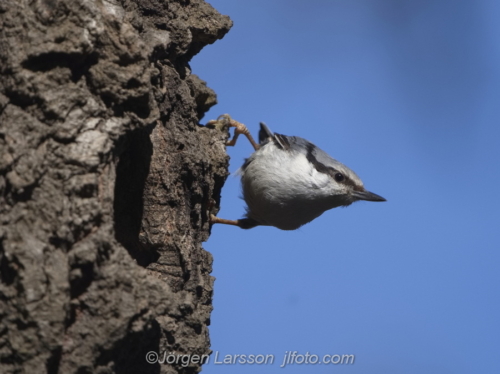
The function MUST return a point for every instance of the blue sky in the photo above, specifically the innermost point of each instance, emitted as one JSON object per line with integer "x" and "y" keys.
{"x": 407, "y": 94}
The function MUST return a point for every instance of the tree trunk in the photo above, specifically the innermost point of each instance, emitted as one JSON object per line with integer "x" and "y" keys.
{"x": 106, "y": 182}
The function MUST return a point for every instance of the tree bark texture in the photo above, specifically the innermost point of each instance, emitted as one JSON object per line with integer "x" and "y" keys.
{"x": 106, "y": 184}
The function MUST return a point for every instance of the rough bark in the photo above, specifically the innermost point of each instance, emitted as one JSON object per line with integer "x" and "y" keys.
{"x": 106, "y": 183}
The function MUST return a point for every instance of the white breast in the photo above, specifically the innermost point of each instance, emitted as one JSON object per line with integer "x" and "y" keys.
{"x": 283, "y": 189}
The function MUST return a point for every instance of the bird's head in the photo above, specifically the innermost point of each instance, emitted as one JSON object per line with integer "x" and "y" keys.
{"x": 344, "y": 186}
{"x": 348, "y": 188}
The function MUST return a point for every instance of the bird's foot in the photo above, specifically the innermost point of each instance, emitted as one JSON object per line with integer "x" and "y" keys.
{"x": 225, "y": 120}
{"x": 214, "y": 219}
{"x": 244, "y": 223}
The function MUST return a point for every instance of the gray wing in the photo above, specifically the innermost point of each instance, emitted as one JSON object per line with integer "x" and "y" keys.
{"x": 316, "y": 156}
{"x": 321, "y": 160}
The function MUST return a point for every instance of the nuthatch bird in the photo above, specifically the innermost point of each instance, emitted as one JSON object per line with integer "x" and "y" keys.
{"x": 288, "y": 181}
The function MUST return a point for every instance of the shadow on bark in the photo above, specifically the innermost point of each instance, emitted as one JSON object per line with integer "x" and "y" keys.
{"x": 131, "y": 174}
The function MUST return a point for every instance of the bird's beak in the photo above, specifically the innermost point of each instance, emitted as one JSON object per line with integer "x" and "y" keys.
{"x": 368, "y": 196}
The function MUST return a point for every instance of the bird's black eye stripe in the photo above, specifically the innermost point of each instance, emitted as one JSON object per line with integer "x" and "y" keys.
{"x": 322, "y": 168}
{"x": 339, "y": 177}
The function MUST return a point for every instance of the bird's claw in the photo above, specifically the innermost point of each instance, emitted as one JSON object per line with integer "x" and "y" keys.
{"x": 224, "y": 121}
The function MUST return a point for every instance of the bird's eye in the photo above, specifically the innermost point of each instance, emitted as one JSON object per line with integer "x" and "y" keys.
{"x": 339, "y": 177}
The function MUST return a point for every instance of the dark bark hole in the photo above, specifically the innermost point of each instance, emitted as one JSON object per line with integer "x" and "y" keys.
{"x": 81, "y": 279}
{"x": 136, "y": 104}
{"x": 78, "y": 64}
{"x": 131, "y": 173}
{"x": 170, "y": 337}
{"x": 199, "y": 291}
{"x": 139, "y": 105}
{"x": 197, "y": 328}
{"x": 53, "y": 361}
{"x": 8, "y": 272}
